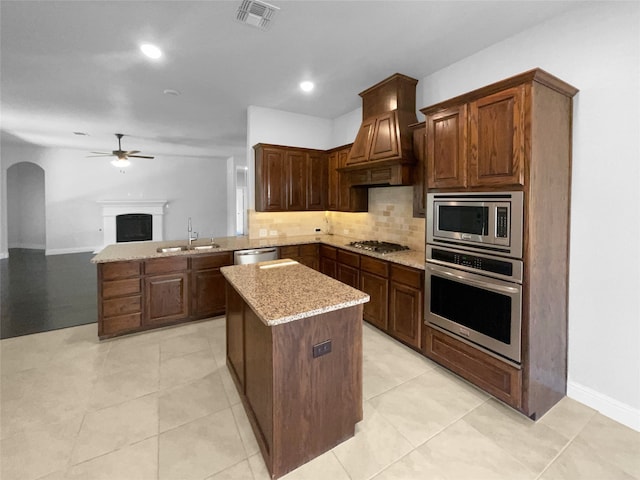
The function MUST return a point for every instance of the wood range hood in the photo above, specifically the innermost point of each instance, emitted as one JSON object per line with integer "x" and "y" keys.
{"x": 382, "y": 153}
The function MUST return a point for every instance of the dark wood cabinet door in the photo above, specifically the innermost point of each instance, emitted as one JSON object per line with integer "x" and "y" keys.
{"x": 329, "y": 267}
{"x": 349, "y": 275}
{"x": 270, "y": 179}
{"x": 207, "y": 293}
{"x": 496, "y": 132}
{"x": 405, "y": 313}
{"x": 361, "y": 146}
{"x": 375, "y": 311}
{"x": 166, "y": 298}
{"x": 384, "y": 143}
{"x": 296, "y": 180}
{"x": 235, "y": 334}
{"x": 447, "y": 148}
{"x": 317, "y": 179}
{"x": 333, "y": 191}
{"x": 419, "y": 172}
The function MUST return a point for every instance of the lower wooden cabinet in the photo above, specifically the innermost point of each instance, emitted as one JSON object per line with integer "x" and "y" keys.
{"x": 307, "y": 254}
{"x": 166, "y": 298}
{"x": 145, "y": 294}
{"x": 496, "y": 377}
{"x": 328, "y": 261}
{"x": 374, "y": 280}
{"x": 406, "y": 304}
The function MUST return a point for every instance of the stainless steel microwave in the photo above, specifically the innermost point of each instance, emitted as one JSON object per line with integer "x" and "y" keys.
{"x": 489, "y": 222}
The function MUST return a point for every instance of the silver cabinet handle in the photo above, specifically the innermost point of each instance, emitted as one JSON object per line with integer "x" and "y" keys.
{"x": 476, "y": 283}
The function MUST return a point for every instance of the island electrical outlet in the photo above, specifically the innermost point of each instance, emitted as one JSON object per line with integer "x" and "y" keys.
{"x": 322, "y": 348}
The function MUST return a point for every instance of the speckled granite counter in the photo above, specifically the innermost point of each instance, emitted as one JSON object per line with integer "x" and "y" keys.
{"x": 142, "y": 250}
{"x": 283, "y": 290}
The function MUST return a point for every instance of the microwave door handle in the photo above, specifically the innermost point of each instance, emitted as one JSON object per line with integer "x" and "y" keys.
{"x": 476, "y": 283}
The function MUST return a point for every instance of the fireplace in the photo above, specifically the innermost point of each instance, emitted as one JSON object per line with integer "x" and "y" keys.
{"x": 140, "y": 220}
{"x": 134, "y": 227}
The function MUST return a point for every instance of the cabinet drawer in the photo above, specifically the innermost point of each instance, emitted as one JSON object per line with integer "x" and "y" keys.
{"x": 328, "y": 252}
{"x": 120, "y": 306}
{"x": 119, "y": 288}
{"x": 116, "y": 270}
{"x": 308, "y": 249}
{"x": 164, "y": 265}
{"x": 349, "y": 258}
{"x": 373, "y": 265}
{"x": 216, "y": 260}
{"x": 121, "y": 323}
{"x": 289, "y": 251}
{"x": 499, "y": 379}
{"x": 407, "y": 276}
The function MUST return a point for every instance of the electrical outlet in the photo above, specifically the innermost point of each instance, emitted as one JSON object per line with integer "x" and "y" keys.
{"x": 263, "y": 232}
{"x": 346, "y": 231}
{"x": 273, "y": 233}
{"x": 318, "y": 230}
{"x": 322, "y": 348}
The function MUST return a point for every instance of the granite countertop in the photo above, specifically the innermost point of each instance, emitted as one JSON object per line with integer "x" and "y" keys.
{"x": 143, "y": 250}
{"x": 282, "y": 291}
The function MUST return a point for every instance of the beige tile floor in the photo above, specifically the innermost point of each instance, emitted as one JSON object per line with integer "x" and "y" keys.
{"x": 161, "y": 405}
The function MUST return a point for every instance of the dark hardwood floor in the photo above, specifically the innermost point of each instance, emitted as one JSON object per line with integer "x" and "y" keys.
{"x": 41, "y": 293}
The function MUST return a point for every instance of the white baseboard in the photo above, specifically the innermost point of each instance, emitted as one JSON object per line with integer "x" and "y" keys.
{"x": 28, "y": 246}
{"x": 62, "y": 251}
{"x": 4, "y": 255}
{"x": 607, "y": 406}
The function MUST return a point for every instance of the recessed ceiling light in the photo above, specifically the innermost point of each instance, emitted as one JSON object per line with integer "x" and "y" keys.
{"x": 151, "y": 51}
{"x": 171, "y": 91}
{"x": 306, "y": 86}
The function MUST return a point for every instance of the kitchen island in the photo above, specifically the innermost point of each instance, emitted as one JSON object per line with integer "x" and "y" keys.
{"x": 294, "y": 350}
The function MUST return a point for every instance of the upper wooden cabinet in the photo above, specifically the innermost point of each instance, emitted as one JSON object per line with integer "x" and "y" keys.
{"x": 342, "y": 196}
{"x": 290, "y": 179}
{"x": 446, "y": 148}
{"x": 483, "y": 139}
{"x": 362, "y": 145}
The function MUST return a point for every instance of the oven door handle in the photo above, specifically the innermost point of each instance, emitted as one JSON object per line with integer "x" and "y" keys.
{"x": 477, "y": 283}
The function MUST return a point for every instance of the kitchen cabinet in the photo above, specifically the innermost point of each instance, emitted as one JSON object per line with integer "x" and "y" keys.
{"x": 341, "y": 195}
{"x": 290, "y": 179}
{"x": 348, "y": 268}
{"x": 446, "y": 148}
{"x": 166, "y": 290}
{"x": 406, "y": 304}
{"x": 270, "y": 179}
{"x": 328, "y": 261}
{"x": 208, "y": 284}
{"x": 119, "y": 297}
{"x": 419, "y": 170}
{"x": 377, "y": 139}
{"x": 306, "y": 254}
{"x": 514, "y": 134}
{"x": 374, "y": 280}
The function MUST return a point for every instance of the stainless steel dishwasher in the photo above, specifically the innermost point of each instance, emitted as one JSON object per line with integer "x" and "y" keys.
{"x": 243, "y": 257}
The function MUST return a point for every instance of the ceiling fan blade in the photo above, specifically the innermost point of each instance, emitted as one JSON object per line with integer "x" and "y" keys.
{"x": 131, "y": 152}
{"x": 101, "y": 155}
{"x": 139, "y": 156}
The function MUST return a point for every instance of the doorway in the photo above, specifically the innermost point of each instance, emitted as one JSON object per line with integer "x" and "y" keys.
{"x": 26, "y": 206}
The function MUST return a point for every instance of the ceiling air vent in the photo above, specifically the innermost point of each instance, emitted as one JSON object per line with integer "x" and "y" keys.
{"x": 255, "y": 13}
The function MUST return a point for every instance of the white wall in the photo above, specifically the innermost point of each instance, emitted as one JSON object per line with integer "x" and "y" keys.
{"x": 597, "y": 50}
{"x": 194, "y": 187}
{"x": 267, "y": 125}
{"x": 25, "y": 206}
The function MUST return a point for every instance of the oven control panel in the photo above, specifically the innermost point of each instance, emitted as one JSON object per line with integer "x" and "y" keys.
{"x": 473, "y": 261}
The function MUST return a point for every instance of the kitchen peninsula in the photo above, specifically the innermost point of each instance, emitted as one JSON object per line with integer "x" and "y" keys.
{"x": 294, "y": 350}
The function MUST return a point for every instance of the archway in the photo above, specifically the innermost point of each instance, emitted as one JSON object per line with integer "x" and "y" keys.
{"x": 26, "y": 206}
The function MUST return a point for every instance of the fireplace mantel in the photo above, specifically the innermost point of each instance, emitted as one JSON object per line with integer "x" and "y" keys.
{"x": 113, "y": 208}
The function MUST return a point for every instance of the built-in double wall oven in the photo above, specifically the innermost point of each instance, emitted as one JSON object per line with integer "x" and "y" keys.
{"x": 474, "y": 270}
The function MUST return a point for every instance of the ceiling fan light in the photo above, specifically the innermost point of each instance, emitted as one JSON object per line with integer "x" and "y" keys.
{"x": 120, "y": 162}
{"x": 151, "y": 51}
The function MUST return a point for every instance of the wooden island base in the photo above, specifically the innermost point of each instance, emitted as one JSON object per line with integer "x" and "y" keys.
{"x": 299, "y": 406}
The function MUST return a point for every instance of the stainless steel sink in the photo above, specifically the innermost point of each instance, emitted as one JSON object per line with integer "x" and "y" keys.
{"x": 178, "y": 248}
{"x": 183, "y": 248}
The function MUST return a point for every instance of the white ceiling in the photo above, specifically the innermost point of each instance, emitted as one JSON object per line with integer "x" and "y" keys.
{"x": 75, "y": 65}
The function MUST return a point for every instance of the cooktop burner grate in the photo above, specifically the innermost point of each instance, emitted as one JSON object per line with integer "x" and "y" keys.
{"x": 378, "y": 247}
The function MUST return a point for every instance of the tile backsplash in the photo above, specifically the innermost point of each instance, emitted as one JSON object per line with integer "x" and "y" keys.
{"x": 390, "y": 218}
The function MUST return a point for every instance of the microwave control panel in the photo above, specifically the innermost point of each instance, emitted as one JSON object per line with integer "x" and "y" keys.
{"x": 474, "y": 261}
{"x": 502, "y": 222}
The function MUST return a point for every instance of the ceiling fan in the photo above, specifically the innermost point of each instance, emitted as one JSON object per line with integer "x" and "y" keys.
{"x": 123, "y": 156}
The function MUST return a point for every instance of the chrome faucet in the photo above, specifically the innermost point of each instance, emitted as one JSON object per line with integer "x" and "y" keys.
{"x": 191, "y": 235}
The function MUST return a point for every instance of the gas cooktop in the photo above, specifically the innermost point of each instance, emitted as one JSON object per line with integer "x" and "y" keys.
{"x": 378, "y": 247}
